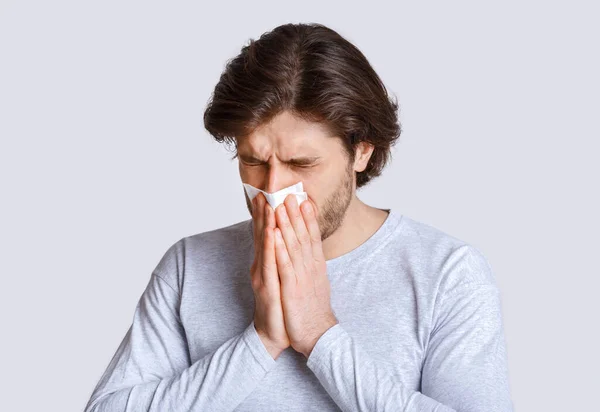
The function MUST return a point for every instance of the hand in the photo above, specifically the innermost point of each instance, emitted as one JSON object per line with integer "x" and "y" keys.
{"x": 305, "y": 288}
{"x": 268, "y": 311}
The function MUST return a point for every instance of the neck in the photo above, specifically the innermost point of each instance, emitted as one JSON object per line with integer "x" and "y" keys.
{"x": 360, "y": 223}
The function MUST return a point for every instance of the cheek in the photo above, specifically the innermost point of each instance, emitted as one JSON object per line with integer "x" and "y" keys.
{"x": 242, "y": 170}
{"x": 250, "y": 175}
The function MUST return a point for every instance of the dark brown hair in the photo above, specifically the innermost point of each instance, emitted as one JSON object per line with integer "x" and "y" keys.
{"x": 314, "y": 73}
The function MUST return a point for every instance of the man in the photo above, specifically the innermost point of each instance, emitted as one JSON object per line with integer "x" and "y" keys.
{"x": 328, "y": 305}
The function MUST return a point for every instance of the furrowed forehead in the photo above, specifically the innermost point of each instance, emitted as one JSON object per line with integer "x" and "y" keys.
{"x": 298, "y": 160}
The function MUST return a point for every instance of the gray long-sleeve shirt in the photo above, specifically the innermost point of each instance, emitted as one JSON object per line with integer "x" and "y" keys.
{"x": 420, "y": 329}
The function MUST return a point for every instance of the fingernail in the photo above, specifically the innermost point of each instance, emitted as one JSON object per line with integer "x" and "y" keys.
{"x": 307, "y": 207}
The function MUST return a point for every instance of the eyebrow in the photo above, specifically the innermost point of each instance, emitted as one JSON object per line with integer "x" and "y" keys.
{"x": 304, "y": 160}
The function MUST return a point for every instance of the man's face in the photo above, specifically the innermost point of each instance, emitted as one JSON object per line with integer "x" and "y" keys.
{"x": 289, "y": 150}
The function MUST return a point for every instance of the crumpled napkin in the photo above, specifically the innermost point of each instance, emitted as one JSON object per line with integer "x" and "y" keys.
{"x": 277, "y": 198}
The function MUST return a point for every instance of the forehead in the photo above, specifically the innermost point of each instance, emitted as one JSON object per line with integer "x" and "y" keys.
{"x": 288, "y": 135}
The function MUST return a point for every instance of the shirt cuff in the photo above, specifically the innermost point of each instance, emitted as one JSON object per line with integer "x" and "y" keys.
{"x": 323, "y": 346}
{"x": 258, "y": 349}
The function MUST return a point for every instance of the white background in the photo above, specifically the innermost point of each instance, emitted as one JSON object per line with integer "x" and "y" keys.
{"x": 104, "y": 163}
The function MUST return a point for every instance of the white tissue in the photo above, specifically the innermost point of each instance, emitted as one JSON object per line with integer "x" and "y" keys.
{"x": 277, "y": 198}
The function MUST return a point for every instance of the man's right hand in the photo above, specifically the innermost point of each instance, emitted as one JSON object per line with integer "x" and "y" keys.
{"x": 268, "y": 310}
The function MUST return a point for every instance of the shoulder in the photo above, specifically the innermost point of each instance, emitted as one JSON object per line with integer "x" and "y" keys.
{"x": 220, "y": 238}
{"x": 209, "y": 248}
{"x": 448, "y": 262}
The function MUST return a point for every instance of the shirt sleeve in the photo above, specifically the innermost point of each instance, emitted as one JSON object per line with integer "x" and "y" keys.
{"x": 464, "y": 368}
{"x": 466, "y": 362}
{"x": 151, "y": 369}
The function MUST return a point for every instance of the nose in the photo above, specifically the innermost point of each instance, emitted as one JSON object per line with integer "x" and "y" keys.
{"x": 277, "y": 178}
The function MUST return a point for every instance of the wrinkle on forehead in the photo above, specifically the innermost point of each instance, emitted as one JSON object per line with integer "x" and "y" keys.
{"x": 287, "y": 136}
{"x": 263, "y": 146}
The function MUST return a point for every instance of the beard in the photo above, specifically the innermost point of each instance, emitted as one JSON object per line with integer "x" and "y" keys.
{"x": 331, "y": 215}
{"x": 333, "y": 211}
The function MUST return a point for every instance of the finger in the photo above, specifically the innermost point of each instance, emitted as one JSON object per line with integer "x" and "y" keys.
{"x": 285, "y": 269}
{"x": 294, "y": 249}
{"x": 310, "y": 218}
{"x": 258, "y": 223}
{"x": 269, "y": 216}
{"x": 269, "y": 262}
{"x": 268, "y": 255}
{"x": 297, "y": 220}
{"x": 257, "y": 243}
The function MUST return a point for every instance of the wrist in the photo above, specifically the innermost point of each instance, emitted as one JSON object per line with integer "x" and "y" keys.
{"x": 273, "y": 349}
{"x": 307, "y": 350}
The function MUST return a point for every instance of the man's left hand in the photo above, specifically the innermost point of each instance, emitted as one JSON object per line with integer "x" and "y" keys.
{"x": 305, "y": 288}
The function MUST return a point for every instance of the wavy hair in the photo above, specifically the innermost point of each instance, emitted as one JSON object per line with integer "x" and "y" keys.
{"x": 317, "y": 75}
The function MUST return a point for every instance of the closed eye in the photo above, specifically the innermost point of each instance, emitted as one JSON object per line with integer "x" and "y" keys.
{"x": 303, "y": 166}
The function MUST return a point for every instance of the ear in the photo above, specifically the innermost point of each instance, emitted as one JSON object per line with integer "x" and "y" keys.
{"x": 363, "y": 152}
